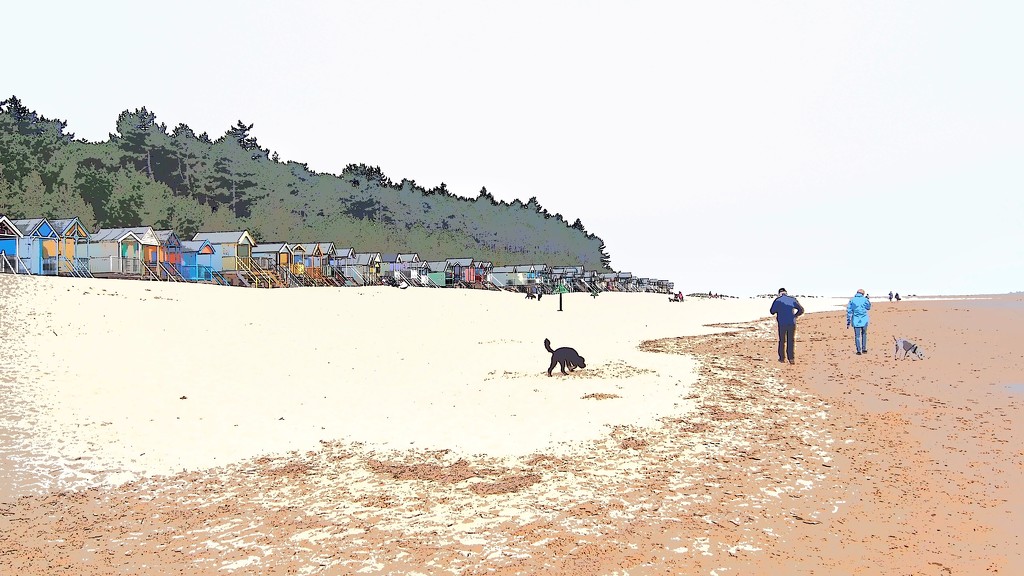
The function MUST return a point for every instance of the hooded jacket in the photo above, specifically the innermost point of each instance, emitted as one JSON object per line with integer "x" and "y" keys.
{"x": 857, "y": 311}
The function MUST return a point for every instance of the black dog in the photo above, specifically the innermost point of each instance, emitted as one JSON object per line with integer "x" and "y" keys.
{"x": 564, "y": 356}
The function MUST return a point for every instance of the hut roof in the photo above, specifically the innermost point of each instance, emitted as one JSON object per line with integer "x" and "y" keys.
{"x": 166, "y": 237}
{"x": 273, "y": 247}
{"x": 72, "y": 224}
{"x": 7, "y": 228}
{"x": 113, "y": 235}
{"x": 33, "y": 226}
{"x": 144, "y": 234}
{"x": 367, "y": 257}
{"x": 194, "y": 245}
{"x": 311, "y": 247}
{"x": 234, "y": 237}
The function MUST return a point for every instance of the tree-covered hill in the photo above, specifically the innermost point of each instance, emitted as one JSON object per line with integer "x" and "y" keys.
{"x": 144, "y": 174}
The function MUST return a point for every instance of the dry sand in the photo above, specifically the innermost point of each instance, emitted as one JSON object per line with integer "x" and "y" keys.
{"x": 160, "y": 428}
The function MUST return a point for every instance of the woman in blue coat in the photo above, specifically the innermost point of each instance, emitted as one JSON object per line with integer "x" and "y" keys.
{"x": 857, "y": 316}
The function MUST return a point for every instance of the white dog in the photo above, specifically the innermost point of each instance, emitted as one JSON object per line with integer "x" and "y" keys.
{"x": 908, "y": 348}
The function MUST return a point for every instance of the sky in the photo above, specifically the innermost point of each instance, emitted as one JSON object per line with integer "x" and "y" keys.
{"x": 732, "y": 147}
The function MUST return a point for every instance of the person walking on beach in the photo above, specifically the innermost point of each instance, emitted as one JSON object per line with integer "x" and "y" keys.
{"x": 857, "y": 316}
{"x": 890, "y": 295}
{"x": 786, "y": 310}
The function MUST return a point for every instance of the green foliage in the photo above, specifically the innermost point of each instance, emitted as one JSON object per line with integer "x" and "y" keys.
{"x": 188, "y": 182}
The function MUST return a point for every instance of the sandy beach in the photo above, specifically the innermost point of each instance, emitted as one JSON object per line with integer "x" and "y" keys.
{"x": 164, "y": 428}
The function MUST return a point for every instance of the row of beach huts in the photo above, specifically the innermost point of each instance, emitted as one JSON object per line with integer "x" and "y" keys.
{"x": 39, "y": 246}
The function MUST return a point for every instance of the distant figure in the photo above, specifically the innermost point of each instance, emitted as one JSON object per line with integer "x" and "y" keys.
{"x": 890, "y": 295}
{"x": 897, "y": 296}
{"x": 857, "y": 316}
{"x": 786, "y": 310}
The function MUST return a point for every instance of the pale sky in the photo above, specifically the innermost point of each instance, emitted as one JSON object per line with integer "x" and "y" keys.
{"x": 731, "y": 147}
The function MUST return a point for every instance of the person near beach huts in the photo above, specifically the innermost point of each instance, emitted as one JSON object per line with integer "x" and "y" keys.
{"x": 786, "y": 310}
{"x": 890, "y": 295}
{"x": 857, "y": 316}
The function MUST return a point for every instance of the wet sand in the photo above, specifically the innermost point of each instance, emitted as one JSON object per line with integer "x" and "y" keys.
{"x": 840, "y": 464}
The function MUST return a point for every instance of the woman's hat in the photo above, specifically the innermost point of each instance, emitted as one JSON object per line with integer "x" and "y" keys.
{"x": 860, "y": 291}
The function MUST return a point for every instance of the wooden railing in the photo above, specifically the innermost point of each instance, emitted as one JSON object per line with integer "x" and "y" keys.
{"x": 10, "y": 264}
{"x": 259, "y": 277}
{"x": 170, "y": 271}
{"x": 113, "y": 265}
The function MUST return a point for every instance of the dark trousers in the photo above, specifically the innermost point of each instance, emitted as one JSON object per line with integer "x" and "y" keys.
{"x": 786, "y": 336}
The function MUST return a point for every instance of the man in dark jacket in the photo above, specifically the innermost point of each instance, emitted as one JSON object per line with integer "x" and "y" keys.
{"x": 786, "y": 310}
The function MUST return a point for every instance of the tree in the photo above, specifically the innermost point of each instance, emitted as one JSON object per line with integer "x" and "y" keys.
{"x": 236, "y": 166}
{"x": 144, "y": 142}
{"x": 63, "y": 202}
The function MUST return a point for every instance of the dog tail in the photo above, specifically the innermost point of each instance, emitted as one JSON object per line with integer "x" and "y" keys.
{"x": 547, "y": 344}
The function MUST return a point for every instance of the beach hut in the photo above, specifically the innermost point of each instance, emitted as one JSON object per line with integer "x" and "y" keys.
{"x": 417, "y": 273}
{"x": 150, "y": 253}
{"x": 10, "y": 237}
{"x": 458, "y": 271}
{"x": 503, "y": 276}
{"x": 232, "y": 256}
{"x": 37, "y": 246}
{"x": 271, "y": 255}
{"x": 625, "y": 281}
{"x": 404, "y": 268}
{"x": 298, "y": 265}
{"x": 276, "y": 261}
{"x": 232, "y": 251}
{"x": 572, "y": 276}
{"x": 388, "y": 264}
{"x": 608, "y": 281}
{"x": 534, "y": 275}
{"x": 169, "y": 255}
{"x": 436, "y": 272}
{"x": 339, "y": 264}
{"x": 481, "y": 273}
{"x": 70, "y": 260}
{"x": 197, "y": 261}
{"x": 113, "y": 251}
{"x": 367, "y": 264}
{"x": 316, "y": 258}
{"x": 395, "y": 267}
{"x": 592, "y": 280}
{"x": 327, "y": 254}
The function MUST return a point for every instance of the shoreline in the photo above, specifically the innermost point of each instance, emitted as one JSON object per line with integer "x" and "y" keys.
{"x": 840, "y": 463}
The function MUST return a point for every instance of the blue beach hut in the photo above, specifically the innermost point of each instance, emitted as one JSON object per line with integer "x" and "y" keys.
{"x": 197, "y": 261}
{"x": 37, "y": 247}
